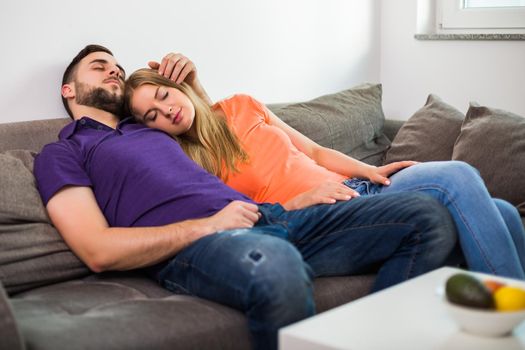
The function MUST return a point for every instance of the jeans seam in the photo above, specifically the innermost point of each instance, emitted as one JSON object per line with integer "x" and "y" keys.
{"x": 417, "y": 234}
{"x": 414, "y": 256}
{"x": 348, "y": 230}
{"x": 180, "y": 263}
{"x": 473, "y": 235}
{"x": 187, "y": 264}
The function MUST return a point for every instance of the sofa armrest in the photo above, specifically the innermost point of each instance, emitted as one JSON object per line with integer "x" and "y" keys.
{"x": 9, "y": 335}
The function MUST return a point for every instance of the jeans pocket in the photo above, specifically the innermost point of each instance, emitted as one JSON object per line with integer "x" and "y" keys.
{"x": 363, "y": 187}
{"x": 174, "y": 274}
{"x": 174, "y": 287}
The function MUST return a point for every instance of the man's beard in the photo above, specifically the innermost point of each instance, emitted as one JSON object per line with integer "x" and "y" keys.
{"x": 99, "y": 98}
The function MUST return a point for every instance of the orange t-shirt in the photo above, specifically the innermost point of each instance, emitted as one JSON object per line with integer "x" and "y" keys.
{"x": 276, "y": 170}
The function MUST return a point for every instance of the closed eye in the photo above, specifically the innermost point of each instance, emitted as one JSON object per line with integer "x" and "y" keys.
{"x": 161, "y": 94}
{"x": 150, "y": 117}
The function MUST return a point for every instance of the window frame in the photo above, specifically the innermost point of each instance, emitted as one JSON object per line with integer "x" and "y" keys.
{"x": 452, "y": 16}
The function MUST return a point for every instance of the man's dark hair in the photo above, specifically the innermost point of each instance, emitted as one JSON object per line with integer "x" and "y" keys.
{"x": 70, "y": 70}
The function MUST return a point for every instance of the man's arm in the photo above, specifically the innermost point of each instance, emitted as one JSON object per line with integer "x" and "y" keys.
{"x": 179, "y": 68}
{"x": 76, "y": 215}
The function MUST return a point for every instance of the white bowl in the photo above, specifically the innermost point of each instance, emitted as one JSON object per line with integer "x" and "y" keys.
{"x": 488, "y": 323}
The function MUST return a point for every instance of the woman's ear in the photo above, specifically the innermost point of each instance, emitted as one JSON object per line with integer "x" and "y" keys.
{"x": 68, "y": 91}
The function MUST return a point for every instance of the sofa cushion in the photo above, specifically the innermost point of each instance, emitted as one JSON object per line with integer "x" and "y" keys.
{"x": 350, "y": 121}
{"x": 32, "y": 252}
{"x": 9, "y": 335}
{"x": 111, "y": 304}
{"x": 428, "y": 135}
{"x": 493, "y": 141}
{"x": 107, "y": 315}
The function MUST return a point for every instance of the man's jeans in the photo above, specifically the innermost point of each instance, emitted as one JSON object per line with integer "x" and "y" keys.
{"x": 266, "y": 271}
{"x": 490, "y": 230}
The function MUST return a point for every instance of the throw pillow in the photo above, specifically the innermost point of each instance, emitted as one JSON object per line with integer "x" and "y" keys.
{"x": 493, "y": 141}
{"x": 428, "y": 135}
{"x": 32, "y": 252}
{"x": 350, "y": 121}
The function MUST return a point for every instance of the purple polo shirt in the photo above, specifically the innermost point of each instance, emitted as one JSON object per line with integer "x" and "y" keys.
{"x": 140, "y": 176}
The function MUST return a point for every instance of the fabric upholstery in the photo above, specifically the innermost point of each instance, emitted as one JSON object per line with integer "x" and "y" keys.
{"x": 99, "y": 311}
{"x": 493, "y": 141}
{"x": 31, "y": 135}
{"x": 428, "y": 135}
{"x": 350, "y": 121}
{"x": 32, "y": 252}
{"x": 118, "y": 310}
{"x": 9, "y": 335}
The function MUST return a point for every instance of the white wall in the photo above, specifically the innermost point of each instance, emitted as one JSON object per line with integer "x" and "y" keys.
{"x": 275, "y": 50}
{"x": 489, "y": 72}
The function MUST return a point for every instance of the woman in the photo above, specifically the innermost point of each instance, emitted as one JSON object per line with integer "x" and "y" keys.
{"x": 242, "y": 142}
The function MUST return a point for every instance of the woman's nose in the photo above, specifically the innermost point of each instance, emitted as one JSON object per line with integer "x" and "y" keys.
{"x": 167, "y": 110}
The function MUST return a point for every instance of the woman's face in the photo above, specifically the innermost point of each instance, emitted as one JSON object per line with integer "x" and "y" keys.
{"x": 164, "y": 108}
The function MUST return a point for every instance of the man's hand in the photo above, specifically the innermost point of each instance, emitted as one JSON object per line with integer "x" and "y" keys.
{"x": 177, "y": 67}
{"x": 327, "y": 193}
{"x": 237, "y": 214}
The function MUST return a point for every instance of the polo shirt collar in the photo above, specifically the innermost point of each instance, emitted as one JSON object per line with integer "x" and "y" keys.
{"x": 88, "y": 123}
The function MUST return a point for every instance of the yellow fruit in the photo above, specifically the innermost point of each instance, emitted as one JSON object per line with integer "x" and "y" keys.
{"x": 509, "y": 298}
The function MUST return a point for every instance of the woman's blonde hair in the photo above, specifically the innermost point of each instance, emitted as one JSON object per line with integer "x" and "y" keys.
{"x": 216, "y": 148}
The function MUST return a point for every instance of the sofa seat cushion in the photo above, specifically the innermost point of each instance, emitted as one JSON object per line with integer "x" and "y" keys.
{"x": 110, "y": 313}
{"x": 129, "y": 311}
{"x": 9, "y": 335}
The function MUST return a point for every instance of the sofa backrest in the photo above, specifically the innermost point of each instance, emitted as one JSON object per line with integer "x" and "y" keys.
{"x": 31, "y": 135}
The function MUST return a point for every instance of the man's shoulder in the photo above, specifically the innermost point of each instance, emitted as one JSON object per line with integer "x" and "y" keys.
{"x": 61, "y": 145}
{"x": 60, "y": 149}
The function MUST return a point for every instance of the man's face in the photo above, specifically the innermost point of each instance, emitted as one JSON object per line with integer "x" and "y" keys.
{"x": 99, "y": 82}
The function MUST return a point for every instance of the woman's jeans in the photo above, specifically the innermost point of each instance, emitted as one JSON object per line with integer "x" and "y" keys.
{"x": 490, "y": 231}
{"x": 266, "y": 271}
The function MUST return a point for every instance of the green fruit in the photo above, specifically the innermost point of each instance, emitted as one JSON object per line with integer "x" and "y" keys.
{"x": 467, "y": 290}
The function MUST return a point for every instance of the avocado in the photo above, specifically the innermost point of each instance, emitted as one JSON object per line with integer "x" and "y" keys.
{"x": 467, "y": 290}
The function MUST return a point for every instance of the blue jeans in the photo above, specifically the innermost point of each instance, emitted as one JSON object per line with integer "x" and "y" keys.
{"x": 490, "y": 231}
{"x": 266, "y": 271}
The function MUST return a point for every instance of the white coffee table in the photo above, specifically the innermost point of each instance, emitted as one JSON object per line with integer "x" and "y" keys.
{"x": 410, "y": 315}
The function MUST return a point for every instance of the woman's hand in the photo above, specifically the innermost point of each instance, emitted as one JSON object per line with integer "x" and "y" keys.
{"x": 327, "y": 193}
{"x": 380, "y": 175}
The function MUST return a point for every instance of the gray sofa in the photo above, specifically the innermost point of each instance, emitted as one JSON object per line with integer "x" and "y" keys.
{"x": 64, "y": 306}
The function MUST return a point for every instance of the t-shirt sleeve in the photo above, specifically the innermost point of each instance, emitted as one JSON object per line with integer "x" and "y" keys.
{"x": 59, "y": 165}
{"x": 258, "y": 108}
{"x": 251, "y": 107}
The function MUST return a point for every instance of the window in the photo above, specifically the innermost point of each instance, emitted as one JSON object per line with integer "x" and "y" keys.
{"x": 492, "y": 15}
{"x": 492, "y": 3}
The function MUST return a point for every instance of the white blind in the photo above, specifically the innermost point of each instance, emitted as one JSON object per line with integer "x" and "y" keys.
{"x": 483, "y": 14}
{"x": 492, "y": 3}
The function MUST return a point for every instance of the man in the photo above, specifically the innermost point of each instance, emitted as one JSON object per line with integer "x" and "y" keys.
{"x": 124, "y": 196}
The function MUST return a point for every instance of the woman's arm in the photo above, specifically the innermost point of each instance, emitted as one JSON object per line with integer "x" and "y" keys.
{"x": 336, "y": 161}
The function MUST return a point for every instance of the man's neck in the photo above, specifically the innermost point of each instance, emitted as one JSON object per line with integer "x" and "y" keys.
{"x": 99, "y": 115}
